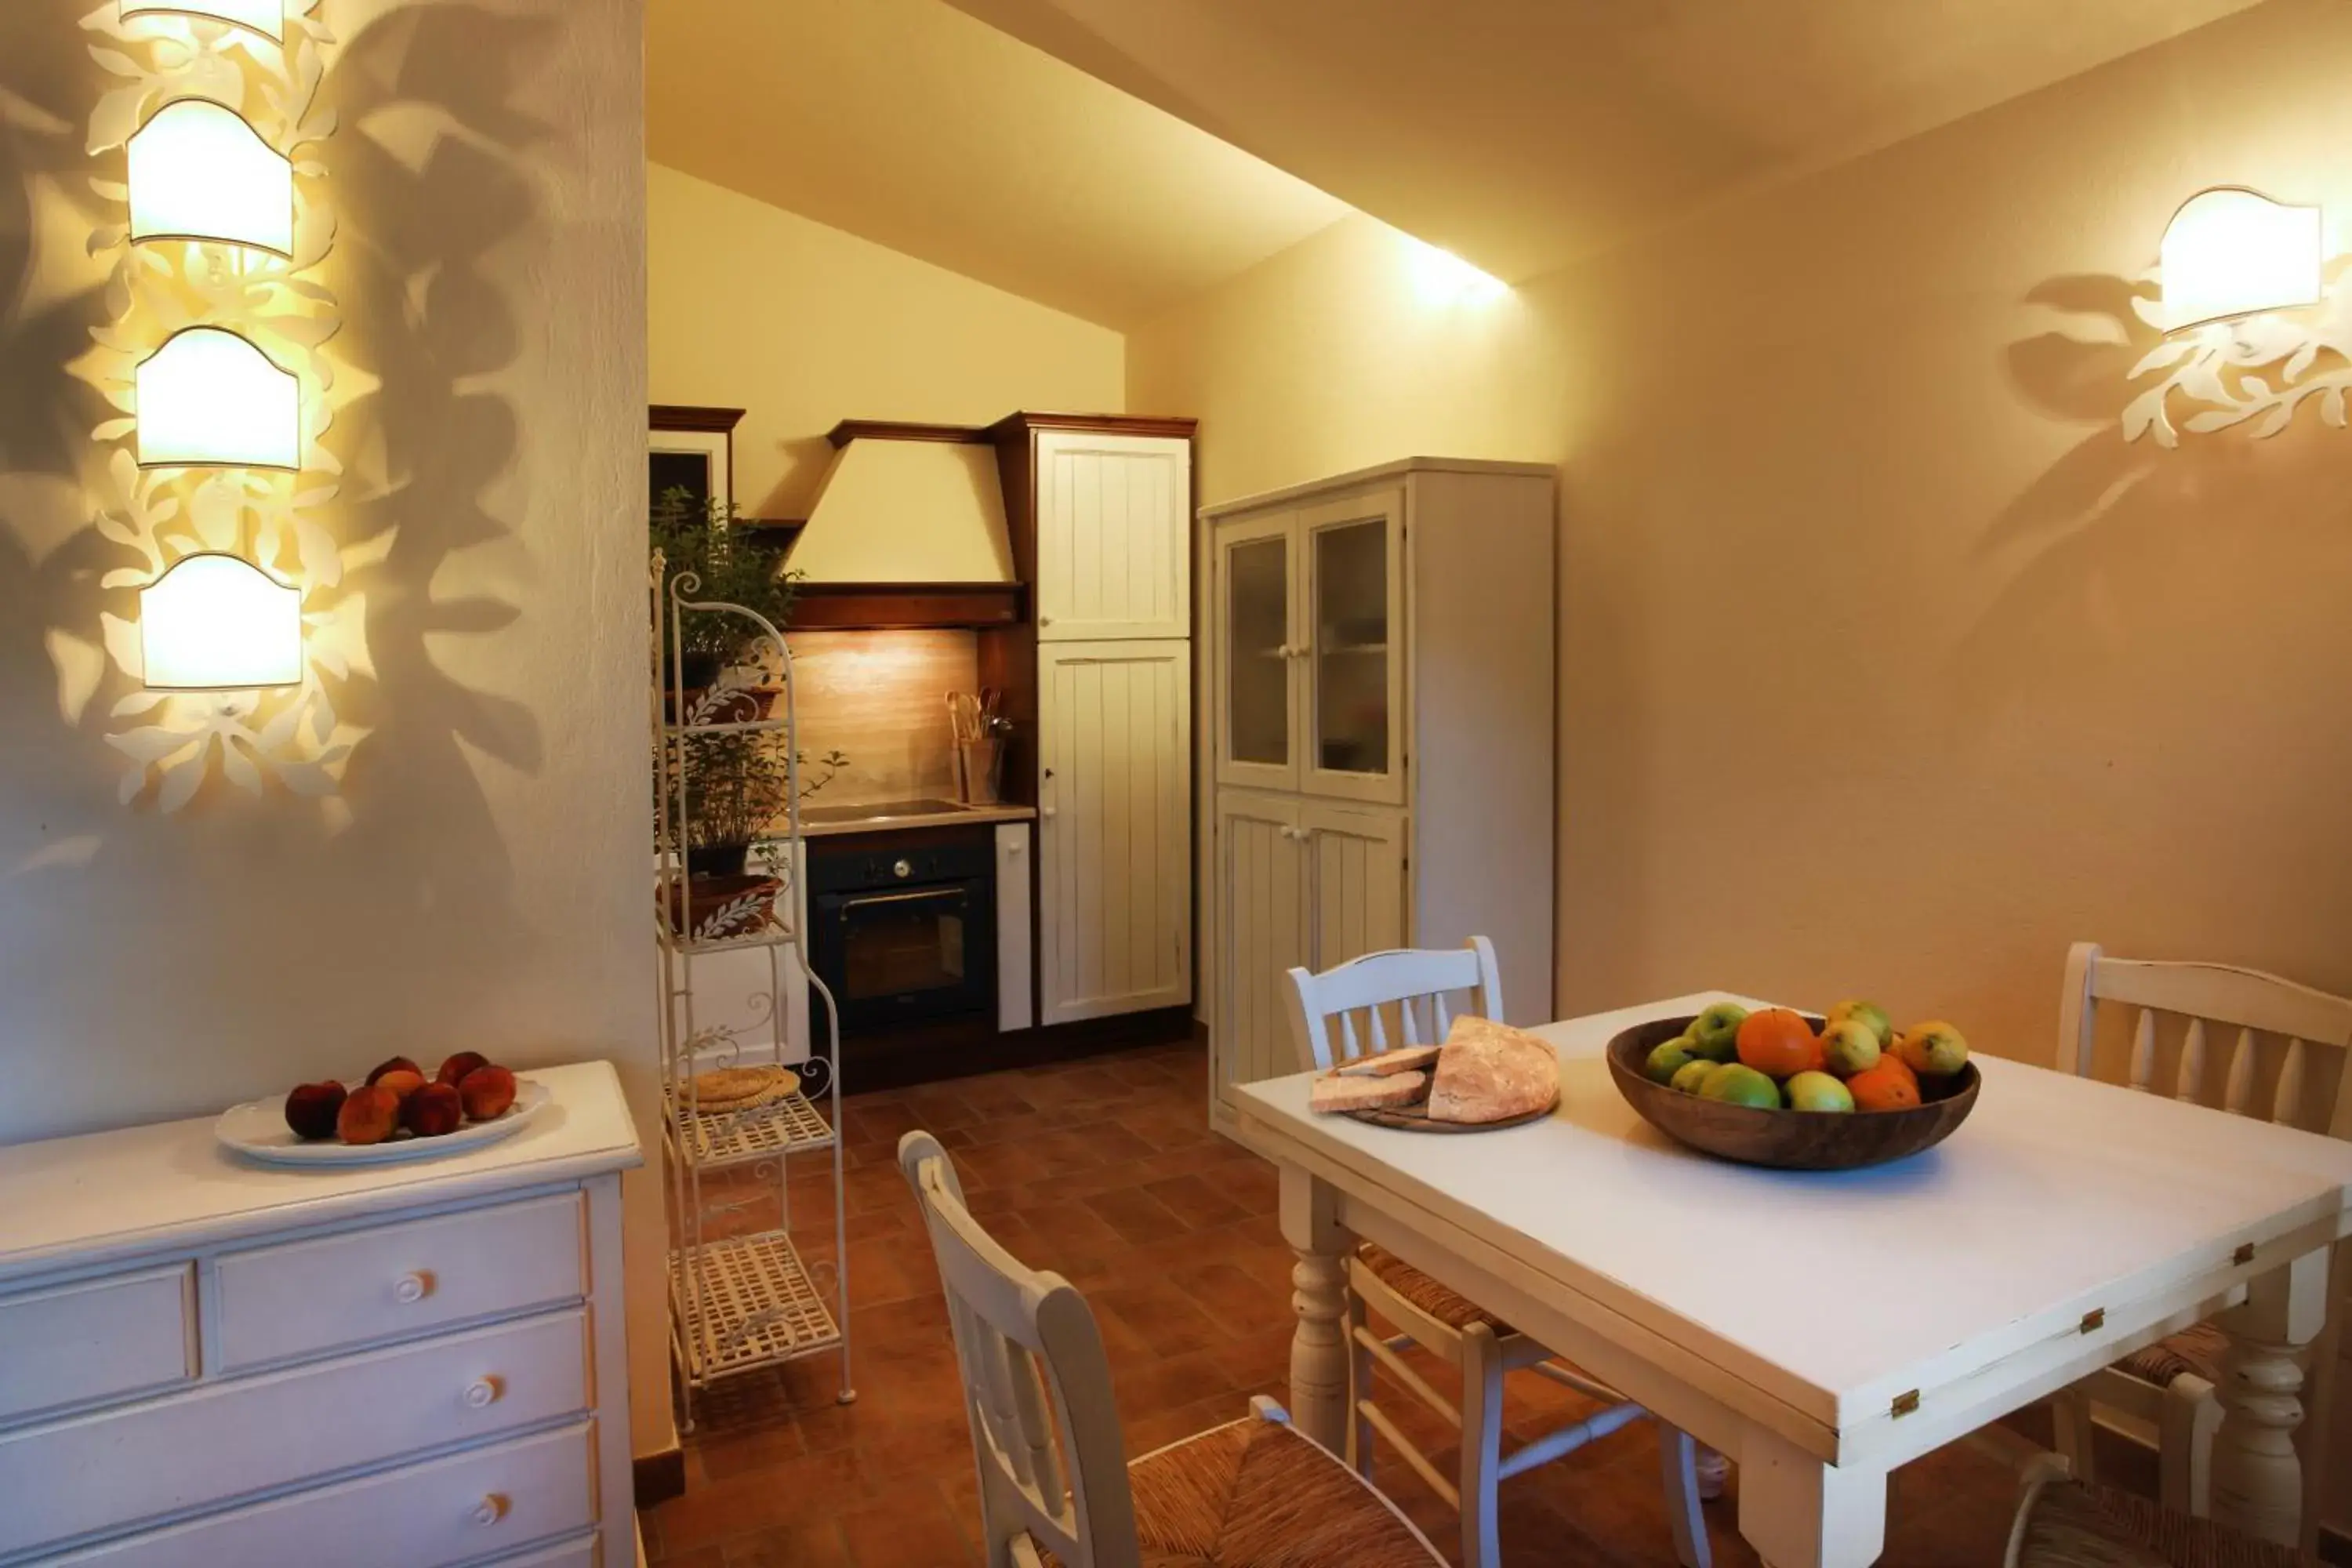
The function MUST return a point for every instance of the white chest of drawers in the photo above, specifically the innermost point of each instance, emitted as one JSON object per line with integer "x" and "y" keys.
{"x": 206, "y": 1363}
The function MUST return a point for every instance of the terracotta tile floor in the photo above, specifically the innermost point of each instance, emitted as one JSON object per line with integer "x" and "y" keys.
{"x": 1106, "y": 1171}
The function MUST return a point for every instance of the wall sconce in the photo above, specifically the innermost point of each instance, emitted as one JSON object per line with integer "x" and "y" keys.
{"x": 199, "y": 171}
{"x": 208, "y": 398}
{"x": 2238, "y": 271}
{"x": 2232, "y": 252}
{"x": 267, "y": 17}
{"x": 218, "y": 623}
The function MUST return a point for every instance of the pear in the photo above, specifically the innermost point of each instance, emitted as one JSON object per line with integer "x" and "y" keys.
{"x": 1667, "y": 1058}
{"x": 1849, "y": 1046}
{"x": 1869, "y": 1014}
{"x": 1715, "y": 1034}
{"x": 1932, "y": 1049}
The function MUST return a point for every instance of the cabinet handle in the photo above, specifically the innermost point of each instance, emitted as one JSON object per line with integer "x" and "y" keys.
{"x": 1046, "y": 812}
{"x": 410, "y": 1288}
{"x": 1045, "y": 620}
{"x": 491, "y": 1510}
{"x": 1281, "y": 650}
{"x": 482, "y": 1393}
{"x": 1302, "y": 650}
{"x": 1016, "y": 846}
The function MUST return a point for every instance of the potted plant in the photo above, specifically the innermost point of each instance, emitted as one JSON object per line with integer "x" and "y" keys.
{"x": 736, "y": 791}
{"x": 707, "y": 539}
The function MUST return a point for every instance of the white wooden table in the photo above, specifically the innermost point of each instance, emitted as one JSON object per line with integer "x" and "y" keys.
{"x": 1823, "y": 1327}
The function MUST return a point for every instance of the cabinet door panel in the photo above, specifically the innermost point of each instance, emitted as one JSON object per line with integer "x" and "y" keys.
{"x": 1349, "y": 644}
{"x": 1114, "y": 829}
{"x": 1113, "y": 525}
{"x": 1261, "y": 934}
{"x": 1355, "y": 882}
{"x": 1254, "y": 678}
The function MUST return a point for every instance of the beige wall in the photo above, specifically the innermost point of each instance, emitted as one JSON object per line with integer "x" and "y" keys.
{"x": 489, "y": 890}
{"x": 1887, "y": 666}
{"x": 803, "y": 326}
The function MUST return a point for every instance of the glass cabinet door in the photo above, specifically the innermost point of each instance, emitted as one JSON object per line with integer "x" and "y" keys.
{"x": 1354, "y": 694}
{"x": 1254, "y": 580}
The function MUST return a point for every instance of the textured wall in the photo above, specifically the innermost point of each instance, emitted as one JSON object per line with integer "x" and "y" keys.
{"x": 487, "y": 887}
{"x": 804, "y": 326}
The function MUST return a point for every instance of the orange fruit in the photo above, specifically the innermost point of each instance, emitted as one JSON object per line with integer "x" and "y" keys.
{"x": 1779, "y": 1042}
{"x": 1889, "y": 1086}
{"x": 1901, "y": 1067}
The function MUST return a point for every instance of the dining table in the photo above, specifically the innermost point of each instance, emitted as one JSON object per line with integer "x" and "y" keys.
{"x": 1821, "y": 1328}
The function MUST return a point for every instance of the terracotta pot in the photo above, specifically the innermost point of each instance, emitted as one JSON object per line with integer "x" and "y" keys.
{"x": 718, "y": 908}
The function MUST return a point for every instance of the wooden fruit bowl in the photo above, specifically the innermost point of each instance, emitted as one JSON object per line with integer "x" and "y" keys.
{"x": 1786, "y": 1140}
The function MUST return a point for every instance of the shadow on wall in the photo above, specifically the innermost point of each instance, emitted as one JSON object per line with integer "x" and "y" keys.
{"x": 383, "y": 932}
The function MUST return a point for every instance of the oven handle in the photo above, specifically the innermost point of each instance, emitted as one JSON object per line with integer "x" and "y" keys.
{"x": 859, "y": 903}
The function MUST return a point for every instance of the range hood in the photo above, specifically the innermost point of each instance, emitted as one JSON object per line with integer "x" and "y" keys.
{"x": 907, "y": 530}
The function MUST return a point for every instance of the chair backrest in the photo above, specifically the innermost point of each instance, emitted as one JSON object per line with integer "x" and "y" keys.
{"x": 1032, "y": 1361}
{"x": 1388, "y": 999}
{"x": 2295, "y": 1085}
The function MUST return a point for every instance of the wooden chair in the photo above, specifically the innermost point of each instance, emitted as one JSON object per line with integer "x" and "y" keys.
{"x": 2065, "y": 1523}
{"x": 2169, "y": 1388}
{"x": 1402, "y": 998}
{"x": 1038, "y": 1396}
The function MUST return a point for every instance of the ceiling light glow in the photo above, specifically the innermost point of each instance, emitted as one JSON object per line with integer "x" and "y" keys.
{"x": 1441, "y": 277}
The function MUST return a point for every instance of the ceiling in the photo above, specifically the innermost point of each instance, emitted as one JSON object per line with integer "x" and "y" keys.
{"x": 913, "y": 126}
{"x": 1522, "y": 134}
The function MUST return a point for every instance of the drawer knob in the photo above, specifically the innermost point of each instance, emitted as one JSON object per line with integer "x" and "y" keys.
{"x": 491, "y": 1510}
{"x": 482, "y": 1393}
{"x": 410, "y": 1288}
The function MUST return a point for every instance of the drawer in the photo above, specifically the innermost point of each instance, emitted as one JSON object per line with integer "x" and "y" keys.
{"x": 361, "y": 1286}
{"x": 223, "y": 1441}
{"x": 458, "y": 1510}
{"x": 99, "y": 1340}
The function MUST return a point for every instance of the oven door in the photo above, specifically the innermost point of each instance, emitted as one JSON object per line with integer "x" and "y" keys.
{"x": 903, "y": 955}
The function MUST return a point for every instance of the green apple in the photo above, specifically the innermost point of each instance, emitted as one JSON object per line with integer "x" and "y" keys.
{"x": 1849, "y": 1046}
{"x": 1733, "y": 1083}
{"x": 1933, "y": 1049}
{"x": 1666, "y": 1059}
{"x": 1715, "y": 1034}
{"x": 1818, "y": 1091}
{"x": 1869, "y": 1014}
{"x": 1692, "y": 1075}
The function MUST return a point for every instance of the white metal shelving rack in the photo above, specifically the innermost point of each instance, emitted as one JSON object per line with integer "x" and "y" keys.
{"x": 740, "y": 1300}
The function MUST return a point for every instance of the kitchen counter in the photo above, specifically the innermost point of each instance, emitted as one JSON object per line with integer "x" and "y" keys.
{"x": 958, "y": 818}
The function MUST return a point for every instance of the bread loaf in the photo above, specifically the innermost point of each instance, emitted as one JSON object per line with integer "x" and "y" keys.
{"x": 1333, "y": 1093}
{"x": 1492, "y": 1072}
{"x": 1380, "y": 1064}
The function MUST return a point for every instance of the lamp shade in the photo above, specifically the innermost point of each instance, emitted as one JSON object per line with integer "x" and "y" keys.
{"x": 267, "y": 17}
{"x": 207, "y": 398}
{"x": 219, "y": 622}
{"x": 199, "y": 171}
{"x": 2230, "y": 252}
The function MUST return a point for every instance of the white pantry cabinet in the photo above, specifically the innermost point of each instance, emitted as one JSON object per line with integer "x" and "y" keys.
{"x": 1379, "y": 727}
{"x": 411, "y": 1365}
{"x": 1113, "y": 535}
{"x": 1113, "y": 818}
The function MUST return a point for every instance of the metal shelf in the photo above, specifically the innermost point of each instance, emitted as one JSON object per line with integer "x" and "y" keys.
{"x": 756, "y": 1306}
{"x": 719, "y": 1138}
{"x": 739, "y": 727}
{"x": 774, "y": 936}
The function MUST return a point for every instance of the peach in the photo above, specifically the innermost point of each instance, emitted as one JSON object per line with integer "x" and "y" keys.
{"x": 402, "y": 1084}
{"x": 453, "y": 1071}
{"x": 397, "y": 1063}
{"x": 433, "y": 1110}
{"x": 311, "y": 1108}
{"x": 369, "y": 1115}
{"x": 487, "y": 1091}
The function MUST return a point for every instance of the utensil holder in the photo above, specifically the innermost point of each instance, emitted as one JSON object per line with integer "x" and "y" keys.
{"x": 980, "y": 770}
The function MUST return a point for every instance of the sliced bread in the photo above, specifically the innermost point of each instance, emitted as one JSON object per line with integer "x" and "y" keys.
{"x": 1335, "y": 1094}
{"x": 1380, "y": 1064}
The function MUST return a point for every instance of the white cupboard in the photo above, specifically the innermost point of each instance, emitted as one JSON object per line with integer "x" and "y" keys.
{"x": 1103, "y": 511}
{"x": 1378, "y": 730}
{"x": 1113, "y": 820}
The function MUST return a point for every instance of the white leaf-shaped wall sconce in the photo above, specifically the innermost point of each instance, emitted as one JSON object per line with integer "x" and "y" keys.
{"x": 208, "y": 398}
{"x": 2232, "y": 252}
{"x": 199, "y": 171}
{"x": 267, "y": 17}
{"x": 218, "y": 623}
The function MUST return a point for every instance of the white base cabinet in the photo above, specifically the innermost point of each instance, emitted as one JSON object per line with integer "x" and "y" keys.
{"x": 1378, "y": 727}
{"x": 417, "y": 1365}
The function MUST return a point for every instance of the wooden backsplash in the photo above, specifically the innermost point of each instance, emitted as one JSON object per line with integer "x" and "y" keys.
{"x": 881, "y": 698}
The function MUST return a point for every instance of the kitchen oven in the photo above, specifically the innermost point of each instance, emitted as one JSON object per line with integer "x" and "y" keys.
{"x": 902, "y": 927}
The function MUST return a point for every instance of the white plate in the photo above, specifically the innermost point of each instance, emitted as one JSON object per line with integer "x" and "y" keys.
{"x": 258, "y": 1132}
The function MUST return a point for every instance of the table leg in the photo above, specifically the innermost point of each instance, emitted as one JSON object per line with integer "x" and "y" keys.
{"x": 2257, "y": 1478}
{"x": 1800, "y": 1512}
{"x": 1318, "y": 1347}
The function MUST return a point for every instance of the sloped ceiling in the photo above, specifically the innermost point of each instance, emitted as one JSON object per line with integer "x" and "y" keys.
{"x": 916, "y": 126}
{"x": 1521, "y": 134}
